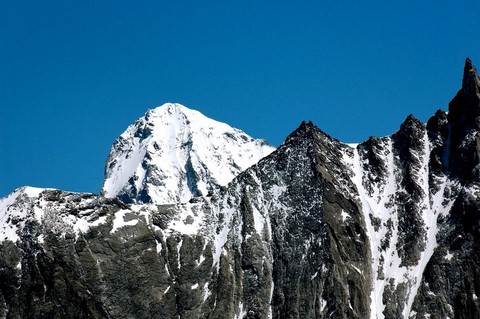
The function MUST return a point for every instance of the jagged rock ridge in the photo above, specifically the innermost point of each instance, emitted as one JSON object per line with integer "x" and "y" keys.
{"x": 317, "y": 229}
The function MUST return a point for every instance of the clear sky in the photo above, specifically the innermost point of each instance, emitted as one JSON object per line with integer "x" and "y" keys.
{"x": 75, "y": 74}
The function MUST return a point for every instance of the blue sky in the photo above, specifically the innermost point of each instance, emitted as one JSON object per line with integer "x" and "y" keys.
{"x": 74, "y": 75}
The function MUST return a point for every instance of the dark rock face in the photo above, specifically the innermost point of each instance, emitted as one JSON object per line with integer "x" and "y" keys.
{"x": 450, "y": 284}
{"x": 310, "y": 237}
{"x": 409, "y": 146}
{"x": 438, "y": 132}
{"x": 389, "y": 228}
{"x": 132, "y": 272}
{"x": 464, "y": 120}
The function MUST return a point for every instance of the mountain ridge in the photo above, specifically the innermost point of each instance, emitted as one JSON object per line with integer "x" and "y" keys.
{"x": 316, "y": 229}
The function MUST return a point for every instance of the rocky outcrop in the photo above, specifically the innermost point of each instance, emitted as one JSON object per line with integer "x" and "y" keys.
{"x": 464, "y": 123}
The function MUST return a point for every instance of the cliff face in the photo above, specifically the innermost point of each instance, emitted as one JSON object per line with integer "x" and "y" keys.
{"x": 317, "y": 229}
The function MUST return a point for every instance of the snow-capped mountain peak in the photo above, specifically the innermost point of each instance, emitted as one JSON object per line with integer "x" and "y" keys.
{"x": 174, "y": 153}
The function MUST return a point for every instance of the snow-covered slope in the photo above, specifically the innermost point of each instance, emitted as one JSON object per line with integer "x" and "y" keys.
{"x": 51, "y": 208}
{"x": 11, "y": 212}
{"x": 174, "y": 153}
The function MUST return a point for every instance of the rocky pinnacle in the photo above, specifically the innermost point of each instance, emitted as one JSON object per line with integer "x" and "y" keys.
{"x": 464, "y": 124}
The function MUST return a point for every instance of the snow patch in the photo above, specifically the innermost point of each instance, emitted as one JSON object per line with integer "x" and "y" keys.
{"x": 345, "y": 216}
{"x": 119, "y": 220}
{"x": 206, "y": 292}
{"x": 242, "y": 313}
{"x": 449, "y": 256}
{"x": 14, "y": 209}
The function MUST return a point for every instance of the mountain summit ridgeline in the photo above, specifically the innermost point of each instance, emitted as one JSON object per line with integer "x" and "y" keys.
{"x": 199, "y": 220}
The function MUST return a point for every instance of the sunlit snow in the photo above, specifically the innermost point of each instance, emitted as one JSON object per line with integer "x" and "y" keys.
{"x": 174, "y": 153}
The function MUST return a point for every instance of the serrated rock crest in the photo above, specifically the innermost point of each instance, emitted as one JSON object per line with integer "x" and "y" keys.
{"x": 389, "y": 228}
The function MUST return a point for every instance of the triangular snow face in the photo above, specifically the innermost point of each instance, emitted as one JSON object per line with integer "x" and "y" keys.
{"x": 174, "y": 153}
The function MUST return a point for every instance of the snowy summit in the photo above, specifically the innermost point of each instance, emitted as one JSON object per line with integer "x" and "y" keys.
{"x": 173, "y": 153}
